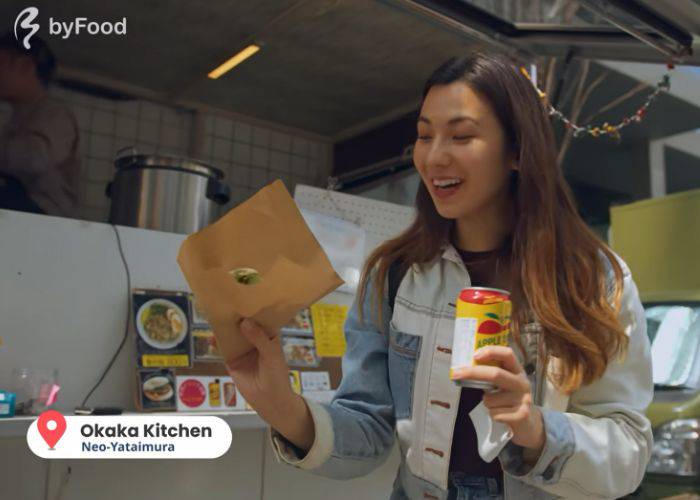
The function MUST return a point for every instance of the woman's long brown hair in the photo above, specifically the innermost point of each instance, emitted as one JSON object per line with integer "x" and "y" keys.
{"x": 557, "y": 272}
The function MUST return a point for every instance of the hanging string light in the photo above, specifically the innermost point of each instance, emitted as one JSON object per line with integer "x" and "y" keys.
{"x": 611, "y": 130}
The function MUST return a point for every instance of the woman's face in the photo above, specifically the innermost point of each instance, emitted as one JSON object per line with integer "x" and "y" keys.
{"x": 460, "y": 146}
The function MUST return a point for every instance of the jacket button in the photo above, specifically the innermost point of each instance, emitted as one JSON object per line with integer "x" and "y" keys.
{"x": 530, "y": 368}
{"x": 440, "y": 403}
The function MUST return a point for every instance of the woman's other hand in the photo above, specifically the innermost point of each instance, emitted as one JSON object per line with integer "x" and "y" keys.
{"x": 512, "y": 403}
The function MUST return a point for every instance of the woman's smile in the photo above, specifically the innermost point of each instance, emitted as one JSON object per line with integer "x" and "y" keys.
{"x": 444, "y": 188}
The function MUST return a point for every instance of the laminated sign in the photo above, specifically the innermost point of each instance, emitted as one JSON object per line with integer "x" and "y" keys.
{"x": 259, "y": 261}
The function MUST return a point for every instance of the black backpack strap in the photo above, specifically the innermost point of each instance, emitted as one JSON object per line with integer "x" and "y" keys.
{"x": 394, "y": 280}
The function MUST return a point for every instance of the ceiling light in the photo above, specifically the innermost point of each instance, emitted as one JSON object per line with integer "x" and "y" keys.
{"x": 234, "y": 61}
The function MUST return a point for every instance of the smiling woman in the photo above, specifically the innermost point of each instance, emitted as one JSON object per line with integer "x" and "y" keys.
{"x": 485, "y": 135}
{"x": 492, "y": 189}
{"x": 493, "y": 210}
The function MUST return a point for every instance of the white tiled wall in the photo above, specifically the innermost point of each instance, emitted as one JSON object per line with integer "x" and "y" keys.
{"x": 250, "y": 155}
{"x": 253, "y": 156}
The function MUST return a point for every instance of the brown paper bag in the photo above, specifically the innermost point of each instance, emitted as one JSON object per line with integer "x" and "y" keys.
{"x": 266, "y": 233}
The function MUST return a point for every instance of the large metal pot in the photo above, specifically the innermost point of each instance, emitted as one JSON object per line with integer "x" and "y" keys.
{"x": 165, "y": 193}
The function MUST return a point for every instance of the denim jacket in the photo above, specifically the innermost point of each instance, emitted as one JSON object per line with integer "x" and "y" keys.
{"x": 395, "y": 383}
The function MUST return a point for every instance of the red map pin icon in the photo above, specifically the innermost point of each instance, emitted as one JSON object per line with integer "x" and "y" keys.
{"x": 51, "y": 425}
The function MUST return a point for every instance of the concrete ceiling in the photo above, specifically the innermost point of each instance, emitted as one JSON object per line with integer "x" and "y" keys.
{"x": 326, "y": 65}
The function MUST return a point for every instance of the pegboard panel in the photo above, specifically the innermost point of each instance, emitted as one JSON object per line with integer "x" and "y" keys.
{"x": 381, "y": 220}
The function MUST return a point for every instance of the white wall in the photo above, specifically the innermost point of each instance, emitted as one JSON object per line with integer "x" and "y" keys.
{"x": 235, "y": 476}
{"x": 247, "y": 472}
{"x": 63, "y": 301}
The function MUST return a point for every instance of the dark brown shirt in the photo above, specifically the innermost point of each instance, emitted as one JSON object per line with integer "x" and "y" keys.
{"x": 487, "y": 269}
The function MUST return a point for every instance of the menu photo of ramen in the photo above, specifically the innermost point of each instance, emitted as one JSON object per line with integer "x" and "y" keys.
{"x": 163, "y": 337}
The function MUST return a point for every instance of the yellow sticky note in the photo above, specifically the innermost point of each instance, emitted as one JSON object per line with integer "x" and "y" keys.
{"x": 328, "y": 321}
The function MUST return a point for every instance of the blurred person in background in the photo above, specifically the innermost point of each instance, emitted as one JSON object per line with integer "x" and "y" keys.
{"x": 39, "y": 160}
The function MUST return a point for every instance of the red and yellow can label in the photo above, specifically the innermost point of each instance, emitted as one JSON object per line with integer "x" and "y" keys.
{"x": 482, "y": 319}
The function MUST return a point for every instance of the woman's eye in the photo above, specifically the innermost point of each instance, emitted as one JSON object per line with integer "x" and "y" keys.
{"x": 423, "y": 137}
{"x": 462, "y": 137}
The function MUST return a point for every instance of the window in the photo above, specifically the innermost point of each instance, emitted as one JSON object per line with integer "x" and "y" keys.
{"x": 674, "y": 332}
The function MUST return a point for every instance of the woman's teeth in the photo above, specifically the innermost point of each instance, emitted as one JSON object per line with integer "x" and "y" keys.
{"x": 446, "y": 183}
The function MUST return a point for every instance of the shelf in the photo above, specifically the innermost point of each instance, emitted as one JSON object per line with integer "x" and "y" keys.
{"x": 238, "y": 421}
{"x": 15, "y": 426}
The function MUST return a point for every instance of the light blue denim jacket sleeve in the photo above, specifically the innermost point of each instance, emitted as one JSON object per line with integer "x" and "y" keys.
{"x": 559, "y": 446}
{"x": 355, "y": 432}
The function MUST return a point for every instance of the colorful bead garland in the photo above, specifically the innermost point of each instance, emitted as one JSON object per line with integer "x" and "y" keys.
{"x": 607, "y": 129}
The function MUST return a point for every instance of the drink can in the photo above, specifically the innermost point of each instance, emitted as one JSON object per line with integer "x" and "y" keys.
{"x": 482, "y": 318}
{"x": 230, "y": 394}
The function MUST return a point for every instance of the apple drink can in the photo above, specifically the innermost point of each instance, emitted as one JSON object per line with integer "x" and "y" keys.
{"x": 482, "y": 318}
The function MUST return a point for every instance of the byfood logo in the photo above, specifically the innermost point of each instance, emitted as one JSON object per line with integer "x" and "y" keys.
{"x": 64, "y": 29}
{"x": 25, "y": 21}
